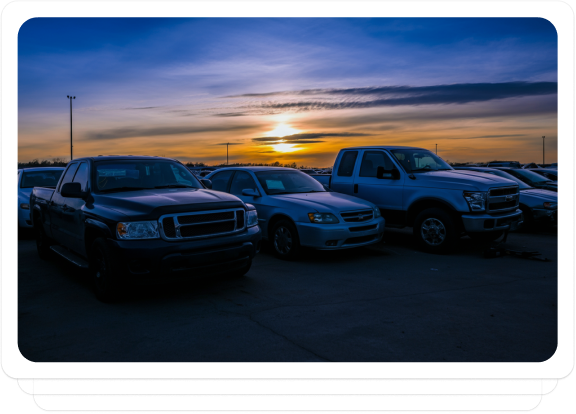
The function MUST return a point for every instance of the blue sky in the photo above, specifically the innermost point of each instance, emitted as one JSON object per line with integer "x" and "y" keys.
{"x": 178, "y": 87}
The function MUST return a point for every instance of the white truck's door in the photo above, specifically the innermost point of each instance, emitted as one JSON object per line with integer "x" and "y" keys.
{"x": 342, "y": 180}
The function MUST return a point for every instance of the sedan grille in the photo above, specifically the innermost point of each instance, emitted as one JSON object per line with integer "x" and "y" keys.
{"x": 357, "y": 216}
{"x": 182, "y": 226}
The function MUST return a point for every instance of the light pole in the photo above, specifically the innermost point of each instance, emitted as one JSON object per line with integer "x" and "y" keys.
{"x": 436, "y": 149}
{"x": 70, "y": 98}
{"x": 543, "y": 151}
{"x": 227, "y": 144}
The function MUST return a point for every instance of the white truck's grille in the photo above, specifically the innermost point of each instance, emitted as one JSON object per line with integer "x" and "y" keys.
{"x": 503, "y": 199}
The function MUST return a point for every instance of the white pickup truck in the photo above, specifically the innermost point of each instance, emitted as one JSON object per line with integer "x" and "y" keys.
{"x": 416, "y": 188}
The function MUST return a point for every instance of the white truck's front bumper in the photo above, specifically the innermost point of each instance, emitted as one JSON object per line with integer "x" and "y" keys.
{"x": 480, "y": 223}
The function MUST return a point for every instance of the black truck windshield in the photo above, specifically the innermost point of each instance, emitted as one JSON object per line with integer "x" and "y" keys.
{"x": 415, "y": 160}
{"x": 288, "y": 182}
{"x": 129, "y": 175}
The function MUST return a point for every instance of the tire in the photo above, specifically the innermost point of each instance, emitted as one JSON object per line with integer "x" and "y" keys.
{"x": 285, "y": 241}
{"x": 242, "y": 272}
{"x": 43, "y": 242}
{"x": 486, "y": 237}
{"x": 105, "y": 272}
{"x": 435, "y": 231}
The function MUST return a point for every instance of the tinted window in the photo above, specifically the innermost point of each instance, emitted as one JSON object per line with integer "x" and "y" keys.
{"x": 69, "y": 174}
{"x": 241, "y": 181}
{"x": 288, "y": 182}
{"x": 372, "y": 160}
{"x": 82, "y": 176}
{"x": 220, "y": 180}
{"x": 347, "y": 162}
{"x": 40, "y": 179}
{"x": 416, "y": 160}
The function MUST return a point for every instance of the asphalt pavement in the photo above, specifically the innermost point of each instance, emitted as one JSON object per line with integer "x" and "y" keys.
{"x": 384, "y": 303}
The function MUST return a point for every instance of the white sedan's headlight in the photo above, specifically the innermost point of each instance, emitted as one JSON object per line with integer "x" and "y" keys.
{"x": 476, "y": 201}
{"x": 322, "y": 218}
{"x": 376, "y": 212}
{"x": 251, "y": 218}
{"x": 138, "y": 230}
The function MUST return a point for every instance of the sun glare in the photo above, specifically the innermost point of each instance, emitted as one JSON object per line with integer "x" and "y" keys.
{"x": 282, "y": 130}
{"x": 285, "y": 147}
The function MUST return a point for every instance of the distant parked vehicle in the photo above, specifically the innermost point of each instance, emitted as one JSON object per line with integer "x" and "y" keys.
{"x": 510, "y": 164}
{"x": 309, "y": 172}
{"x": 531, "y": 178}
{"x": 537, "y": 205}
{"x": 28, "y": 179}
{"x": 295, "y": 210}
{"x": 414, "y": 187}
{"x": 550, "y": 173}
{"x": 530, "y": 166}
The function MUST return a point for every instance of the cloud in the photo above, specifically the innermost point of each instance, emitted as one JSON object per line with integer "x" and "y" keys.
{"x": 495, "y": 136}
{"x": 145, "y": 107}
{"x": 135, "y": 132}
{"x": 306, "y": 138}
{"x": 230, "y": 114}
{"x": 390, "y": 96}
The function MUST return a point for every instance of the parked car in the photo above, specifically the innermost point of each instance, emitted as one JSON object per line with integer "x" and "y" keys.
{"x": 28, "y": 179}
{"x": 548, "y": 173}
{"x": 538, "y": 206}
{"x": 530, "y": 166}
{"x": 531, "y": 178}
{"x": 138, "y": 219}
{"x": 414, "y": 187}
{"x": 295, "y": 210}
{"x": 510, "y": 164}
{"x": 308, "y": 171}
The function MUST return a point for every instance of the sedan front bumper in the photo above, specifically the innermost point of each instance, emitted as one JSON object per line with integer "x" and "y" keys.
{"x": 482, "y": 223}
{"x": 545, "y": 215}
{"x": 340, "y": 236}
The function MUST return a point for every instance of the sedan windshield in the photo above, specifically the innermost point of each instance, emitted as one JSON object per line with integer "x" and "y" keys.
{"x": 521, "y": 184}
{"x": 40, "y": 178}
{"x": 129, "y": 175}
{"x": 529, "y": 177}
{"x": 288, "y": 182}
{"x": 415, "y": 160}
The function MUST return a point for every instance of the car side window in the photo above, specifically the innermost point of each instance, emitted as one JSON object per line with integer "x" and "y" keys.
{"x": 242, "y": 180}
{"x": 346, "y": 167}
{"x": 68, "y": 175}
{"x": 374, "y": 159}
{"x": 220, "y": 180}
{"x": 82, "y": 176}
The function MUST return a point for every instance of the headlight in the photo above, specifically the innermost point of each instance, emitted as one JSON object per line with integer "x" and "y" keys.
{"x": 376, "y": 212}
{"x": 476, "y": 201}
{"x": 322, "y": 218}
{"x": 251, "y": 218}
{"x": 25, "y": 206}
{"x": 550, "y": 206}
{"x": 137, "y": 230}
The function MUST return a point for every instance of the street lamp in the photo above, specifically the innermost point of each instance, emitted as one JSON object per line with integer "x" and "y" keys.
{"x": 543, "y": 151}
{"x": 70, "y": 98}
{"x": 436, "y": 149}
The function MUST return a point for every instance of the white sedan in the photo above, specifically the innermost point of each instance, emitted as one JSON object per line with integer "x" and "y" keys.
{"x": 27, "y": 180}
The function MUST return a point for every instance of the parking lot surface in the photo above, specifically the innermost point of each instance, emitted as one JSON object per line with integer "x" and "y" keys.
{"x": 384, "y": 303}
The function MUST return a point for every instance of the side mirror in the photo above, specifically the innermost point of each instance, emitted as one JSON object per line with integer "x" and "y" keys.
{"x": 394, "y": 173}
{"x": 250, "y": 192}
{"x": 72, "y": 190}
{"x": 206, "y": 183}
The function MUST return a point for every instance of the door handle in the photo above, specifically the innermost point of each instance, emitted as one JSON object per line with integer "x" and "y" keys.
{"x": 355, "y": 188}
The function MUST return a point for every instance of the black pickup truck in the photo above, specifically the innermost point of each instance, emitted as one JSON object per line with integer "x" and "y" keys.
{"x": 138, "y": 219}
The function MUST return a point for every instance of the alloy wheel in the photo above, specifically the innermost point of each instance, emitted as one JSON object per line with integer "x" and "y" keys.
{"x": 433, "y": 231}
{"x": 282, "y": 240}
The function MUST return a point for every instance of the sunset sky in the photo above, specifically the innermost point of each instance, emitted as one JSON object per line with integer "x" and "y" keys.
{"x": 288, "y": 90}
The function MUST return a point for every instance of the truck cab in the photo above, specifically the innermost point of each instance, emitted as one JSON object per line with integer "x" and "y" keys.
{"x": 414, "y": 187}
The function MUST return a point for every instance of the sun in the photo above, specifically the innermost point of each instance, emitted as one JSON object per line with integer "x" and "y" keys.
{"x": 283, "y": 147}
{"x": 282, "y": 130}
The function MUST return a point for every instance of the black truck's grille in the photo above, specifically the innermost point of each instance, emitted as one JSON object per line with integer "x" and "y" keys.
{"x": 357, "y": 216}
{"x": 202, "y": 224}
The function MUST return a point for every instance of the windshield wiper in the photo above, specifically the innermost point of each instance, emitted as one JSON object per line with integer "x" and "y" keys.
{"x": 174, "y": 186}
{"x": 124, "y": 189}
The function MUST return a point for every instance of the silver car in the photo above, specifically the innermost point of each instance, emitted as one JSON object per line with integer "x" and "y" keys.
{"x": 295, "y": 210}
{"x": 28, "y": 179}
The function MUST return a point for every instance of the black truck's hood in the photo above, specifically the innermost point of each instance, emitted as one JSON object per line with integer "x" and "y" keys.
{"x": 151, "y": 204}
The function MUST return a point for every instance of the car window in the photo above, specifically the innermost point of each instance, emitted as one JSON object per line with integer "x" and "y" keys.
{"x": 82, "y": 176}
{"x": 288, "y": 182}
{"x": 69, "y": 174}
{"x": 346, "y": 167}
{"x": 220, "y": 180}
{"x": 374, "y": 159}
{"x": 242, "y": 180}
{"x": 181, "y": 175}
{"x": 40, "y": 178}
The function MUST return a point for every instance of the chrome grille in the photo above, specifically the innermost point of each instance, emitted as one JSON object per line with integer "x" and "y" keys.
{"x": 501, "y": 199}
{"x": 184, "y": 226}
{"x": 357, "y": 216}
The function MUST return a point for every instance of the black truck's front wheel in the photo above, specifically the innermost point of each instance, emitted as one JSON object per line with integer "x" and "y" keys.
{"x": 435, "y": 231}
{"x": 105, "y": 272}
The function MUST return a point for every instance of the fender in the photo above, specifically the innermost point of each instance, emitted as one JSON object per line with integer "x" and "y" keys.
{"x": 98, "y": 225}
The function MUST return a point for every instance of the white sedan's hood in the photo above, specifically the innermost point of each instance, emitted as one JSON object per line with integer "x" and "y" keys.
{"x": 326, "y": 201}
